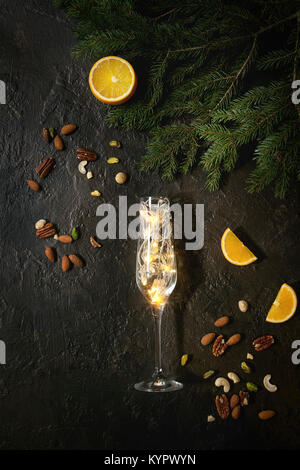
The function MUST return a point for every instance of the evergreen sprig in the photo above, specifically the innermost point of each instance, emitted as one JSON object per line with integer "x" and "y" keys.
{"x": 218, "y": 77}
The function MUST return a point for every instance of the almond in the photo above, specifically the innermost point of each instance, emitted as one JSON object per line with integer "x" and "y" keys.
{"x": 65, "y": 239}
{"x": 222, "y": 321}
{"x": 49, "y": 252}
{"x": 33, "y": 185}
{"x": 58, "y": 143}
{"x": 68, "y": 129}
{"x": 234, "y": 339}
{"x": 236, "y": 412}
{"x": 76, "y": 260}
{"x": 65, "y": 263}
{"x": 207, "y": 339}
{"x": 266, "y": 414}
{"x": 234, "y": 401}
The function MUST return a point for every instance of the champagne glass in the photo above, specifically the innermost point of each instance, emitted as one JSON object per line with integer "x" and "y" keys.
{"x": 156, "y": 276}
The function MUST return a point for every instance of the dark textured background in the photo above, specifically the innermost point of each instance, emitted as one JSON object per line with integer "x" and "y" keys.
{"x": 77, "y": 341}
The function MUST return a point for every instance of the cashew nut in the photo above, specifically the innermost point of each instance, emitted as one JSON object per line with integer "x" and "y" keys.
{"x": 40, "y": 223}
{"x": 222, "y": 382}
{"x": 234, "y": 377}
{"x": 81, "y": 166}
{"x": 268, "y": 385}
{"x": 211, "y": 419}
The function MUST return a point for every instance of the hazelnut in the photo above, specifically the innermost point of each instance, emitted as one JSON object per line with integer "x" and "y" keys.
{"x": 121, "y": 178}
{"x": 243, "y": 305}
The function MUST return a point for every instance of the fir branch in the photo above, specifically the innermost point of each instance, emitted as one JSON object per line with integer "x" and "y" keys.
{"x": 197, "y": 104}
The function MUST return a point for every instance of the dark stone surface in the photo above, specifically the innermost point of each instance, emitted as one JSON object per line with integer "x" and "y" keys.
{"x": 78, "y": 341}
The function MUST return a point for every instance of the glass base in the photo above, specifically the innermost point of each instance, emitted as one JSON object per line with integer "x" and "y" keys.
{"x": 167, "y": 385}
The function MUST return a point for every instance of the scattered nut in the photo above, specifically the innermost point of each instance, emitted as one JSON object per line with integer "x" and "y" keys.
{"x": 208, "y": 374}
{"x": 76, "y": 260}
{"x": 207, "y": 339}
{"x": 266, "y": 414}
{"x": 65, "y": 263}
{"x": 45, "y": 167}
{"x": 85, "y": 154}
{"x": 184, "y": 359}
{"x": 47, "y": 231}
{"x": 222, "y": 405}
{"x": 219, "y": 346}
{"x": 40, "y": 223}
{"x": 113, "y": 160}
{"x": 52, "y": 132}
{"x": 234, "y": 377}
{"x": 49, "y": 252}
{"x": 96, "y": 193}
{"x": 244, "y": 398}
{"x": 251, "y": 387}
{"x": 270, "y": 387}
{"x": 94, "y": 243}
{"x": 236, "y": 412}
{"x": 243, "y": 305}
{"x": 222, "y": 321}
{"x": 115, "y": 143}
{"x": 250, "y": 356}
{"x": 68, "y": 129}
{"x": 81, "y": 166}
{"x": 234, "y": 339}
{"x": 263, "y": 342}
{"x": 211, "y": 419}
{"x": 89, "y": 175}
{"x": 65, "y": 239}
{"x": 222, "y": 382}
{"x": 58, "y": 143}
{"x": 75, "y": 233}
{"x": 33, "y": 185}
{"x": 234, "y": 400}
{"x": 46, "y": 135}
{"x": 121, "y": 178}
{"x": 245, "y": 367}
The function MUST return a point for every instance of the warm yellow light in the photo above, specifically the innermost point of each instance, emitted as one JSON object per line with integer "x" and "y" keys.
{"x": 168, "y": 269}
{"x": 157, "y": 299}
{"x": 149, "y": 259}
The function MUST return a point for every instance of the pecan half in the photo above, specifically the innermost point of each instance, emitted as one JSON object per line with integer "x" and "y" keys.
{"x": 263, "y": 342}
{"x": 46, "y": 135}
{"x": 85, "y": 154}
{"x": 244, "y": 398}
{"x": 47, "y": 231}
{"x": 45, "y": 167}
{"x": 219, "y": 346}
{"x": 222, "y": 406}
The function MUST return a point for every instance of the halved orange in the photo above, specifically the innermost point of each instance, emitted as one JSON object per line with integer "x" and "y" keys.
{"x": 112, "y": 80}
{"x": 284, "y": 306}
{"x": 234, "y": 250}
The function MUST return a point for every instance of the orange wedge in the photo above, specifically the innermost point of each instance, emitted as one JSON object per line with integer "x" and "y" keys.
{"x": 234, "y": 250}
{"x": 284, "y": 306}
{"x": 112, "y": 80}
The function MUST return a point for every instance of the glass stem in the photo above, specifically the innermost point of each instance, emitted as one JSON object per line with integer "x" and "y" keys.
{"x": 158, "y": 376}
